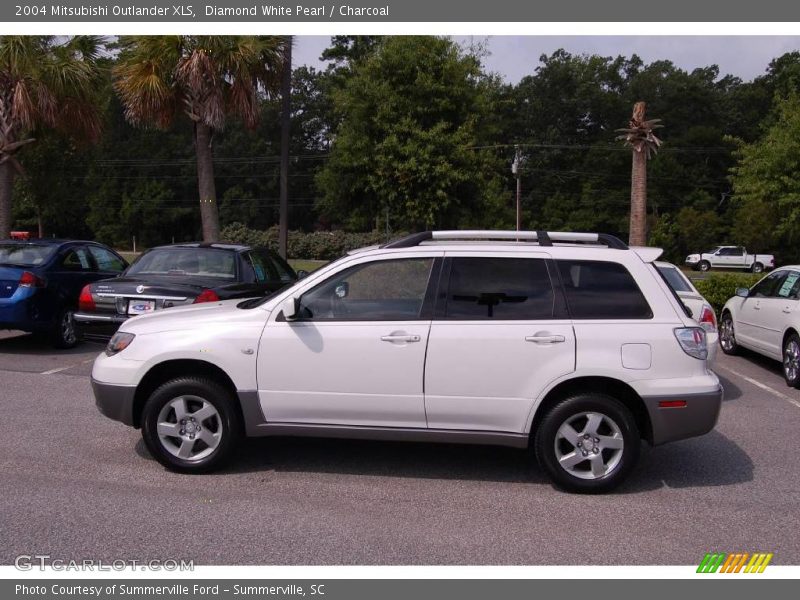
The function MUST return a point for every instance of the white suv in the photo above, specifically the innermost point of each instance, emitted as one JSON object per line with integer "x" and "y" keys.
{"x": 571, "y": 343}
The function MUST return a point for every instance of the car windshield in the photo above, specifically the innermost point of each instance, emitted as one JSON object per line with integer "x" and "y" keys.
{"x": 675, "y": 279}
{"x": 25, "y": 255}
{"x": 186, "y": 262}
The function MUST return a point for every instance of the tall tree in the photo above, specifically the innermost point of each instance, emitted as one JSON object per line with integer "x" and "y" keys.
{"x": 205, "y": 78}
{"x": 767, "y": 180}
{"x": 643, "y": 142}
{"x": 411, "y": 114}
{"x": 45, "y": 82}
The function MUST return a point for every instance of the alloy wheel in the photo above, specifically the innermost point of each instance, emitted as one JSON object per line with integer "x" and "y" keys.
{"x": 791, "y": 360}
{"x": 727, "y": 338}
{"x": 589, "y": 445}
{"x": 189, "y": 427}
{"x": 68, "y": 335}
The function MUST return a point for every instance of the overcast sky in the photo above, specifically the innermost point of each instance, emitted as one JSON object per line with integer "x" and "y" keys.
{"x": 516, "y": 56}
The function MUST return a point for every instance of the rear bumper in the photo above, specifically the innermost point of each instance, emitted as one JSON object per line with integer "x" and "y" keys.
{"x": 114, "y": 401}
{"x": 25, "y": 314}
{"x": 697, "y": 416}
{"x": 98, "y": 325}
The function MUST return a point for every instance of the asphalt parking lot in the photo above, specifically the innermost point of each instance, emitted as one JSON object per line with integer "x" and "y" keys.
{"x": 76, "y": 485}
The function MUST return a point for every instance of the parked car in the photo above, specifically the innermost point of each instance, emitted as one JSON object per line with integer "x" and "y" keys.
{"x": 701, "y": 309}
{"x": 731, "y": 257}
{"x": 766, "y": 319}
{"x": 177, "y": 275}
{"x": 41, "y": 280}
{"x": 570, "y": 343}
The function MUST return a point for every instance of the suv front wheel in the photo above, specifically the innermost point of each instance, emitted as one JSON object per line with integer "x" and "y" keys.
{"x": 588, "y": 443}
{"x": 191, "y": 425}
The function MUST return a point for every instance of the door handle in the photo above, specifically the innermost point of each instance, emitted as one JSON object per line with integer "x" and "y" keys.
{"x": 545, "y": 339}
{"x": 787, "y": 309}
{"x": 397, "y": 338}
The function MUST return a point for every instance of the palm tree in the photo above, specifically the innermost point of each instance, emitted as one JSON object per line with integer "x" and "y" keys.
{"x": 644, "y": 144}
{"x": 205, "y": 78}
{"x": 45, "y": 82}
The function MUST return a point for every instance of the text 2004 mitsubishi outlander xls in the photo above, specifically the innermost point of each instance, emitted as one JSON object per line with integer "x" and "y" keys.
{"x": 571, "y": 343}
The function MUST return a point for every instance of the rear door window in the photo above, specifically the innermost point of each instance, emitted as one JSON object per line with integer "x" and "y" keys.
{"x": 263, "y": 267}
{"x": 107, "y": 260}
{"x": 77, "y": 259}
{"x": 602, "y": 290}
{"x": 499, "y": 289}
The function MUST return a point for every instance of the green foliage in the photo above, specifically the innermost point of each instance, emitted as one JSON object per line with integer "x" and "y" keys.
{"x": 717, "y": 288}
{"x": 767, "y": 178}
{"x": 318, "y": 245}
{"x": 410, "y": 114}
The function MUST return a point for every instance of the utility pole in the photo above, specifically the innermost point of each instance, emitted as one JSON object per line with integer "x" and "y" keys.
{"x": 286, "y": 106}
{"x": 517, "y": 171}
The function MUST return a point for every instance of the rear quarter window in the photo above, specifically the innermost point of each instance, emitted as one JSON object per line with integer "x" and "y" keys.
{"x": 602, "y": 290}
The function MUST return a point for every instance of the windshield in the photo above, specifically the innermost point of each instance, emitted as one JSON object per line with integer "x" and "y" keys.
{"x": 25, "y": 255}
{"x": 186, "y": 262}
{"x": 675, "y": 279}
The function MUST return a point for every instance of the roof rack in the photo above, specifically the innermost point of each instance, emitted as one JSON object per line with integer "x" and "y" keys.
{"x": 544, "y": 238}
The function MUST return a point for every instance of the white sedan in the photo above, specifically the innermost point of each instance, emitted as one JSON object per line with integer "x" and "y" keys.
{"x": 765, "y": 319}
{"x": 702, "y": 311}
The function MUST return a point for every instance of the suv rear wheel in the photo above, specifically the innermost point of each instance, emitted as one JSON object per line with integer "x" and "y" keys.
{"x": 191, "y": 425}
{"x": 588, "y": 443}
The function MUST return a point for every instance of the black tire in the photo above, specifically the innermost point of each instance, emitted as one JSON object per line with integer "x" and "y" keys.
{"x": 619, "y": 462}
{"x": 727, "y": 335}
{"x": 64, "y": 335}
{"x": 704, "y": 266}
{"x": 196, "y": 392}
{"x": 757, "y": 267}
{"x": 791, "y": 360}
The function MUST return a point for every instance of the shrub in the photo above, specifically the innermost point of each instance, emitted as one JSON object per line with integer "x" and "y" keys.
{"x": 717, "y": 288}
{"x": 317, "y": 245}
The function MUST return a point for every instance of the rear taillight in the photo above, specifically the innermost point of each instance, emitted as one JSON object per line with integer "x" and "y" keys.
{"x": 206, "y": 296}
{"x": 28, "y": 280}
{"x": 85, "y": 300}
{"x": 693, "y": 341}
{"x": 708, "y": 320}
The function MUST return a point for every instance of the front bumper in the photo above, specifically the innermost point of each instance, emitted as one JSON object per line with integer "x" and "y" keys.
{"x": 671, "y": 423}
{"x": 115, "y": 401}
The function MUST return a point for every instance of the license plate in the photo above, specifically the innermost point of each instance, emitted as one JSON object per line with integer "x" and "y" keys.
{"x": 141, "y": 307}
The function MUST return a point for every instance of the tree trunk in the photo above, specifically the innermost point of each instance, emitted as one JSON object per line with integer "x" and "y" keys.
{"x": 6, "y": 189}
{"x": 209, "y": 214}
{"x": 286, "y": 110}
{"x": 638, "y": 228}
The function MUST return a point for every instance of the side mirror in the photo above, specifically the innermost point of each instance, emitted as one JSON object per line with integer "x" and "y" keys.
{"x": 290, "y": 307}
{"x": 743, "y": 292}
{"x": 302, "y": 274}
{"x": 342, "y": 290}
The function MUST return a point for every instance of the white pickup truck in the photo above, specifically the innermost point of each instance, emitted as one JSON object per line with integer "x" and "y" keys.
{"x": 730, "y": 257}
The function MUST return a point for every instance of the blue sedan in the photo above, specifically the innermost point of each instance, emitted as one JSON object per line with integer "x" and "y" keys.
{"x": 41, "y": 280}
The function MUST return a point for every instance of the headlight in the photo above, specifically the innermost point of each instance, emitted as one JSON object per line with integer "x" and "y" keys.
{"x": 119, "y": 342}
